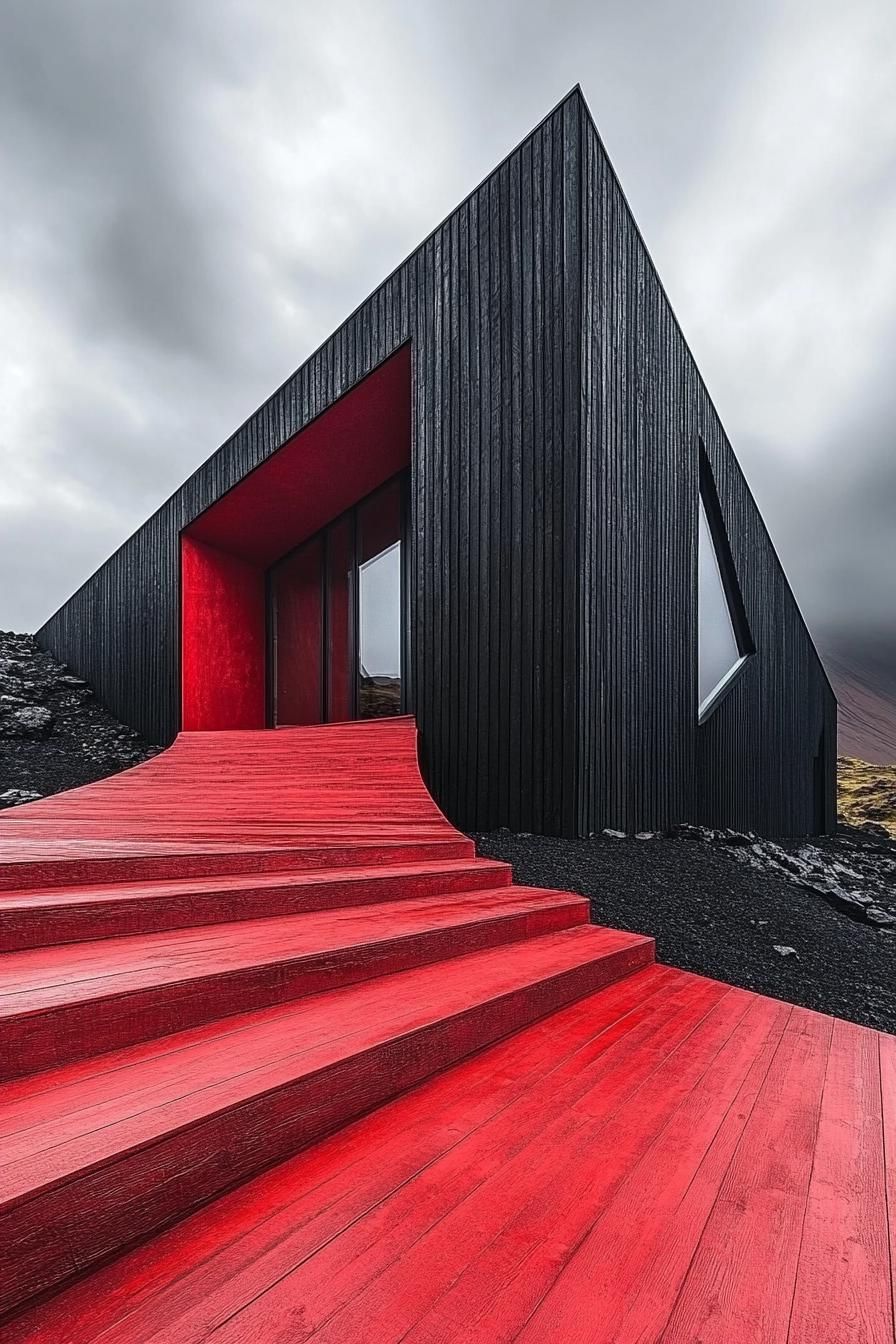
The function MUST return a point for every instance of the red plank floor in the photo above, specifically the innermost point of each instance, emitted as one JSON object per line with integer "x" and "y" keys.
{"x": 277, "y": 1084}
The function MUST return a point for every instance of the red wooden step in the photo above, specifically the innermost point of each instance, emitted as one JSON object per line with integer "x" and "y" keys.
{"x": 27, "y": 863}
{"x": 181, "y": 1277}
{"x": 42, "y": 918}
{"x": 100, "y": 1154}
{"x": 64, "y": 1003}
{"x": 668, "y": 1159}
{"x": 324, "y": 793}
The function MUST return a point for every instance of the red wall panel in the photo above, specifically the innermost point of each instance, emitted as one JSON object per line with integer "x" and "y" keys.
{"x": 298, "y": 598}
{"x": 339, "y": 619}
{"x": 222, "y": 640}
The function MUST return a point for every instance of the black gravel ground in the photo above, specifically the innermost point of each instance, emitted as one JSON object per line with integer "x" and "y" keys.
{"x": 712, "y": 914}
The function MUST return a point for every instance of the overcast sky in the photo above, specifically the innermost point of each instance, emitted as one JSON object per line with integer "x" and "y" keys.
{"x": 194, "y": 193}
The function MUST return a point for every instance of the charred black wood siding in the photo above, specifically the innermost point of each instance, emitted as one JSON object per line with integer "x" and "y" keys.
{"x": 645, "y": 411}
{"x": 555, "y": 420}
{"x": 489, "y": 303}
{"x": 496, "y": 357}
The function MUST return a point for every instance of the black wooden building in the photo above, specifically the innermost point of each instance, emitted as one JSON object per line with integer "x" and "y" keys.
{"x": 498, "y": 497}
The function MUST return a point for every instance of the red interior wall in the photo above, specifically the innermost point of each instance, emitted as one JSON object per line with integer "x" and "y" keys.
{"x": 339, "y": 620}
{"x": 222, "y": 639}
{"x": 299, "y": 621}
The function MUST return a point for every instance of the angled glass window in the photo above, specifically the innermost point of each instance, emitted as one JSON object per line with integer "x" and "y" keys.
{"x": 723, "y": 638}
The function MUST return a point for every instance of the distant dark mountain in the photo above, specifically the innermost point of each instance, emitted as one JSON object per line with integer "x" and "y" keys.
{"x": 864, "y": 678}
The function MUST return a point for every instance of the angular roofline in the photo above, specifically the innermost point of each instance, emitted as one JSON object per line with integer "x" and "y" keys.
{"x": 574, "y": 94}
{"x": 577, "y": 89}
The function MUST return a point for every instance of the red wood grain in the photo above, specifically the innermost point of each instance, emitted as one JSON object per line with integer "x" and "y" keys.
{"x": 675, "y": 1110}
{"x": 645, "y": 1235}
{"x": 340, "y": 795}
{"x": 140, "y": 1144}
{"x": 294, "y": 1254}
{"x": 846, "y": 1214}
{"x": 53, "y": 915}
{"x": 744, "y": 1267}
{"x": 887, "y": 1050}
{"x": 329, "y": 1077}
{"x": 62, "y": 1004}
{"x": 256, "y": 1230}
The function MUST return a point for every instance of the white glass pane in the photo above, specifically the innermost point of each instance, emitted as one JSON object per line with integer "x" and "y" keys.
{"x": 381, "y": 613}
{"x": 717, "y": 651}
{"x": 380, "y": 633}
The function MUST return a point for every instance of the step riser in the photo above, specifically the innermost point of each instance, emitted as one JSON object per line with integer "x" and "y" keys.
{"x": 52, "y": 925}
{"x": 42, "y": 1040}
{"x": 81, "y": 872}
{"x": 140, "y": 1192}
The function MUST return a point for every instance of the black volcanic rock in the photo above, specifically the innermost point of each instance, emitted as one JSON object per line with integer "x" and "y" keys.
{"x": 53, "y": 732}
{"x": 12, "y": 797}
{"x": 25, "y": 720}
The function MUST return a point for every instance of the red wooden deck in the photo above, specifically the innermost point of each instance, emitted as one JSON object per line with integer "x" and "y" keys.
{"x": 284, "y": 1061}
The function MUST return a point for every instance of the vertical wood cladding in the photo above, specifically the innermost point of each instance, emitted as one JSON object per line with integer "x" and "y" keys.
{"x": 555, "y": 418}
{"x": 645, "y": 411}
{"x": 489, "y": 303}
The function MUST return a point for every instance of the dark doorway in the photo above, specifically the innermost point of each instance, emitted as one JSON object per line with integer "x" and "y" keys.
{"x": 336, "y": 617}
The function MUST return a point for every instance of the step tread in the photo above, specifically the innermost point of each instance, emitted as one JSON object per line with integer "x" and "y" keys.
{"x": 59, "y": 1122}
{"x": 25, "y": 841}
{"x": 22, "y": 850}
{"x": 28, "y": 862}
{"x": 190, "y": 1278}
{"x": 38, "y": 979}
{"x": 26, "y": 898}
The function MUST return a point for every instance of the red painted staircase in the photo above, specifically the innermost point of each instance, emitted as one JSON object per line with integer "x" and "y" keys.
{"x": 284, "y": 1061}
{"x": 217, "y": 958}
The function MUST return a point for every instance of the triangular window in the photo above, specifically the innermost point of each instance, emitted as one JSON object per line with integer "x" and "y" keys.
{"x": 723, "y": 638}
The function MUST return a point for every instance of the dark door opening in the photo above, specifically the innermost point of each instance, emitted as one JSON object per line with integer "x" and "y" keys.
{"x": 336, "y": 617}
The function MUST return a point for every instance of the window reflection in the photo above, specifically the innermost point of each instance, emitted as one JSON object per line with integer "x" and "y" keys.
{"x": 718, "y": 654}
{"x": 379, "y": 601}
{"x": 723, "y": 645}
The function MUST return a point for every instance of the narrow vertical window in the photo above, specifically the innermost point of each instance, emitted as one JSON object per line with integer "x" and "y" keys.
{"x": 379, "y": 601}
{"x": 724, "y": 642}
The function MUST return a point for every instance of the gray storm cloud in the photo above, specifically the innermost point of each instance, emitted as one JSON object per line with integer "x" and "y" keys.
{"x": 193, "y": 196}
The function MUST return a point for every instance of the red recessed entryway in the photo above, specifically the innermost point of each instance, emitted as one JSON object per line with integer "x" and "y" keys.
{"x": 339, "y": 458}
